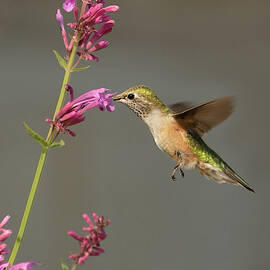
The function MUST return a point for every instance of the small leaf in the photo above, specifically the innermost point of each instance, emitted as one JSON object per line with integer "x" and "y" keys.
{"x": 64, "y": 266}
{"x": 36, "y": 136}
{"x": 57, "y": 144}
{"x": 61, "y": 60}
{"x": 80, "y": 69}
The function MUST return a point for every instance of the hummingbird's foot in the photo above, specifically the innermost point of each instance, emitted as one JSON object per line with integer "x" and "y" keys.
{"x": 181, "y": 171}
{"x": 174, "y": 171}
{"x": 177, "y": 167}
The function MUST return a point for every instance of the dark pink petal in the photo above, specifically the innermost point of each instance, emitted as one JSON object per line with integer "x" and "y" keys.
{"x": 95, "y": 58}
{"x": 75, "y": 121}
{"x": 76, "y": 14}
{"x": 71, "y": 133}
{"x": 101, "y": 19}
{"x": 106, "y": 28}
{"x": 99, "y": 46}
{"x": 68, "y": 116}
{"x": 99, "y": 249}
{"x": 66, "y": 109}
{"x": 69, "y": 5}
{"x": 91, "y": 12}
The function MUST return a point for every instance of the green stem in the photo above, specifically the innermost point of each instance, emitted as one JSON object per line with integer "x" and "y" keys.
{"x": 42, "y": 160}
{"x": 66, "y": 79}
{"x": 74, "y": 266}
{"x": 29, "y": 205}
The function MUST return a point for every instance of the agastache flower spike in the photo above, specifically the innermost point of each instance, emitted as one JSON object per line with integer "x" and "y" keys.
{"x": 90, "y": 244}
{"x": 72, "y": 112}
{"x": 85, "y": 27}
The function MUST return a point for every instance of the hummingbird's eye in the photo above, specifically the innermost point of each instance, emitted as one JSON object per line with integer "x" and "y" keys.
{"x": 130, "y": 96}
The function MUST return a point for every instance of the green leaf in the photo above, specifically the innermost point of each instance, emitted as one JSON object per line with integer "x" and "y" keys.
{"x": 80, "y": 69}
{"x": 61, "y": 60}
{"x": 57, "y": 144}
{"x": 64, "y": 266}
{"x": 36, "y": 136}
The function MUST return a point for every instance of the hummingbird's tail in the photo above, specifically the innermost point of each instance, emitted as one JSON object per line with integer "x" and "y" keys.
{"x": 226, "y": 175}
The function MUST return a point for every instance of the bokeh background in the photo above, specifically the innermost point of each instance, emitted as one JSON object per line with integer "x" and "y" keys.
{"x": 186, "y": 50}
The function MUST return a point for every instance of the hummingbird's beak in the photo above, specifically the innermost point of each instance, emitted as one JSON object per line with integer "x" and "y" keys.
{"x": 117, "y": 97}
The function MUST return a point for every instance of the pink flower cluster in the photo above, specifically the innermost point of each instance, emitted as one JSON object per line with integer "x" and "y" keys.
{"x": 72, "y": 113}
{"x": 4, "y": 235}
{"x": 85, "y": 31}
{"x": 90, "y": 244}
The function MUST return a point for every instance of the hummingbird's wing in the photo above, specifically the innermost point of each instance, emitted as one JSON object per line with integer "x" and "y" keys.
{"x": 204, "y": 117}
{"x": 180, "y": 107}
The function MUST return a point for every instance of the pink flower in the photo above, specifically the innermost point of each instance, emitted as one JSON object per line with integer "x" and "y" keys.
{"x": 4, "y": 235}
{"x": 85, "y": 27}
{"x": 95, "y": 15}
{"x": 69, "y": 5}
{"x": 90, "y": 244}
{"x": 72, "y": 113}
{"x": 60, "y": 19}
{"x": 20, "y": 266}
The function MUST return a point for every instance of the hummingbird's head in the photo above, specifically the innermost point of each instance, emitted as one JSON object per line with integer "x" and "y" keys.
{"x": 140, "y": 99}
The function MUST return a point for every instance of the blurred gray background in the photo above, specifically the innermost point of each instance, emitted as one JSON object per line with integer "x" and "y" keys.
{"x": 186, "y": 50}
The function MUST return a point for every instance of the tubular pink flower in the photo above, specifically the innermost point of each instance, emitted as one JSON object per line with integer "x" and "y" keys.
{"x": 105, "y": 29}
{"x": 90, "y": 244}
{"x": 69, "y": 5}
{"x": 19, "y": 266}
{"x": 4, "y": 235}
{"x": 92, "y": 13}
{"x": 60, "y": 19}
{"x": 113, "y": 8}
{"x": 3, "y": 266}
{"x": 99, "y": 46}
{"x": 72, "y": 113}
{"x": 85, "y": 27}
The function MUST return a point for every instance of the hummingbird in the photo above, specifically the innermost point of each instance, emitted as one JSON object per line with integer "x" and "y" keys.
{"x": 178, "y": 129}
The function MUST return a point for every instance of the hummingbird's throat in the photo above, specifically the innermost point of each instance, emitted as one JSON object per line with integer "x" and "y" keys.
{"x": 142, "y": 109}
